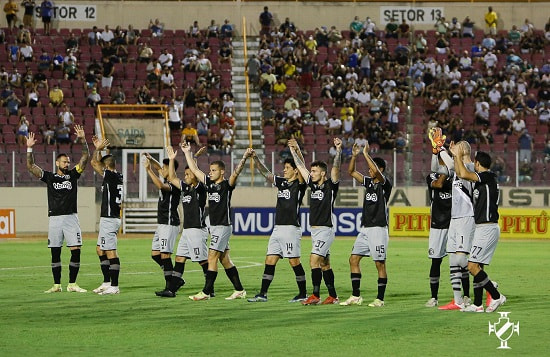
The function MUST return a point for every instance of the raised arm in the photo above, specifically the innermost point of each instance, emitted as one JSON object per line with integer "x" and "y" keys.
{"x": 335, "y": 171}
{"x": 351, "y": 168}
{"x": 240, "y": 167}
{"x": 298, "y": 158}
{"x": 263, "y": 169}
{"x": 172, "y": 177}
{"x": 372, "y": 165}
{"x": 186, "y": 148}
{"x": 439, "y": 182}
{"x": 154, "y": 177}
{"x": 31, "y": 166}
{"x": 460, "y": 169}
{"x": 99, "y": 145}
{"x": 80, "y": 134}
{"x": 156, "y": 165}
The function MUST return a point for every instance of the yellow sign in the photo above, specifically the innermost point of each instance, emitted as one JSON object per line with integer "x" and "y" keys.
{"x": 513, "y": 222}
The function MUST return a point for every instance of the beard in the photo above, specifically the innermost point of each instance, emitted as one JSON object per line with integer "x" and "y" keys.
{"x": 64, "y": 170}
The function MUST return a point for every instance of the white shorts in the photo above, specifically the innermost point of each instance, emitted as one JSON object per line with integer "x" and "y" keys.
{"x": 106, "y": 82}
{"x": 192, "y": 244}
{"x": 108, "y": 230}
{"x": 321, "y": 240}
{"x": 372, "y": 242}
{"x": 219, "y": 237}
{"x": 65, "y": 227}
{"x": 165, "y": 238}
{"x": 461, "y": 233}
{"x": 484, "y": 243}
{"x": 437, "y": 243}
{"x": 285, "y": 241}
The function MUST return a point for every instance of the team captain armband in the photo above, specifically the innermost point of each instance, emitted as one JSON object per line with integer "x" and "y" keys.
{"x": 79, "y": 169}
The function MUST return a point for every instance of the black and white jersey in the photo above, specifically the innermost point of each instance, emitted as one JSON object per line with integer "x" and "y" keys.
{"x": 441, "y": 202}
{"x": 486, "y": 197}
{"x": 219, "y": 202}
{"x": 111, "y": 193}
{"x": 462, "y": 195}
{"x": 168, "y": 206}
{"x": 193, "y": 199}
{"x": 289, "y": 199}
{"x": 62, "y": 192}
{"x": 377, "y": 195}
{"x": 322, "y": 202}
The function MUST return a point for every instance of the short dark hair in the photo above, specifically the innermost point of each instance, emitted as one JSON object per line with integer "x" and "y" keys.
{"x": 484, "y": 159}
{"x": 381, "y": 163}
{"x": 220, "y": 164}
{"x": 60, "y": 156}
{"x": 108, "y": 160}
{"x": 290, "y": 162}
{"x": 167, "y": 162}
{"x": 320, "y": 164}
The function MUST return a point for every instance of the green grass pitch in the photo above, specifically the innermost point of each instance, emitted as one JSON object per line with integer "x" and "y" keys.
{"x": 136, "y": 322}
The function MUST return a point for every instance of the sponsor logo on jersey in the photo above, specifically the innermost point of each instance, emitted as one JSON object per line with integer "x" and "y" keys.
{"x": 186, "y": 199}
{"x": 476, "y": 193}
{"x": 284, "y": 194}
{"x": 445, "y": 196}
{"x": 371, "y": 197}
{"x": 317, "y": 195}
{"x": 63, "y": 185}
{"x": 214, "y": 197}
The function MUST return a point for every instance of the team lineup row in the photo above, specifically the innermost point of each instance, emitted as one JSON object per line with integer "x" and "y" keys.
{"x": 461, "y": 192}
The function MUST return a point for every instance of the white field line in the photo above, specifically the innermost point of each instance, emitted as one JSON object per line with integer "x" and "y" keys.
{"x": 247, "y": 264}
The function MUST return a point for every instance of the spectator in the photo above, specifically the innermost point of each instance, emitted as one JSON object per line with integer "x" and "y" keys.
{"x": 226, "y": 53}
{"x": 33, "y": 100}
{"x": 485, "y": 135}
{"x": 525, "y": 172}
{"x": 526, "y": 146}
{"x": 226, "y": 30}
{"x": 106, "y": 36}
{"x": 420, "y": 45}
{"x": 25, "y": 53}
{"x": 189, "y": 134}
{"x": 107, "y": 75}
{"x": 156, "y": 28}
{"x": 132, "y": 35}
{"x": 482, "y": 114}
{"x": 226, "y": 133}
{"x": 441, "y": 26}
{"x": 518, "y": 125}
{"x": 253, "y": 67}
{"x": 514, "y": 35}
{"x": 29, "y": 6}
{"x": 62, "y": 134}
{"x": 118, "y": 96}
{"x": 334, "y": 126}
{"x": 527, "y": 27}
{"x": 491, "y": 19}
{"x": 24, "y": 35}
{"x": 202, "y": 124}
{"x": 93, "y": 98}
{"x": 145, "y": 53}
{"x": 49, "y": 135}
{"x": 279, "y": 88}
{"x": 65, "y": 116}
{"x": 175, "y": 115}
{"x": 13, "y": 105}
{"x": 56, "y": 96}
{"x": 167, "y": 81}
{"x": 544, "y": 113}
{"x": 455, "y": 28}
{"x": 499, "y": 168}
{"x": 404, "y": 29}
{"x": 468, "y": 27}
{"x": 11, "y": 8}
{"x": 321, "y": 116}
{"x": 392, "y": 28}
